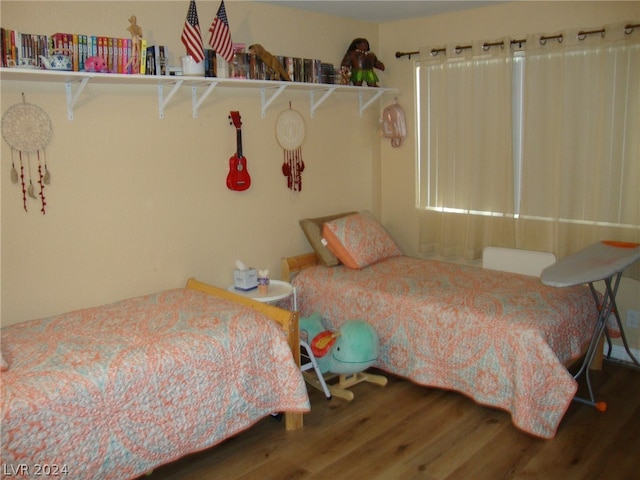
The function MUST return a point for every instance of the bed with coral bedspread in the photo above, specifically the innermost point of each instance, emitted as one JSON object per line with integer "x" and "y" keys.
{"x": 502, "y": 339}
{"x": 117, "y": 390}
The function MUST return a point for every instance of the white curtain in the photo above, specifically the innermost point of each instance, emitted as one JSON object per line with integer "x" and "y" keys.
{"x": 581, "y": 144}
{"x": 571, "y": 103}
{"x": 465, "y": 167}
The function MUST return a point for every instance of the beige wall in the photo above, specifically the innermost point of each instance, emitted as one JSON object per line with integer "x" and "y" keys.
{"x": 137, "y": 203}
{"x": 514, "y": 19}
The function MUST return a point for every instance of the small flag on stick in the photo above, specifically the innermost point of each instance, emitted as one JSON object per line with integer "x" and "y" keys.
{"x": 220, "y": 39}
{"x": 191, "y": 36}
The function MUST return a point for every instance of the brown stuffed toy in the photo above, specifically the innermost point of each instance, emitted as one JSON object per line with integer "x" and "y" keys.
{"x": 269, "y": 60}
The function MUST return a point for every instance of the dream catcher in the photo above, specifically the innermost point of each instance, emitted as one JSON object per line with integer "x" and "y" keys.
{"x": 27, "y": 130}
{"x": 290, "y": 134}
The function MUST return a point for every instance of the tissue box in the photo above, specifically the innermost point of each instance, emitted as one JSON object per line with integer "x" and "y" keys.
{"x": 245, "y": 279}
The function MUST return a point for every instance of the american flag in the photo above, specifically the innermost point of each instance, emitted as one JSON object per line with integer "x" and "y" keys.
{"x": 220, "y": 39}
{"x": 191, "y": 36}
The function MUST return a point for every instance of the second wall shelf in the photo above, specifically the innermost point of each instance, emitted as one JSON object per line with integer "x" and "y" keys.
{"x": 201, "y": 87}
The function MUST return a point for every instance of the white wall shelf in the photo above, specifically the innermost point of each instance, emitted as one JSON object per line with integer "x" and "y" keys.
{"x": 201, "y": 87}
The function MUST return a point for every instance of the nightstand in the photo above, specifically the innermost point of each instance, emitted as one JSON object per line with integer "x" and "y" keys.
{"x": 280, "y": 290}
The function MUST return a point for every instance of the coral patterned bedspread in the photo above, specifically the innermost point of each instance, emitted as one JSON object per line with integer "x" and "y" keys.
{"x": 114, "y": 391}
{"x": 500, "y": 338}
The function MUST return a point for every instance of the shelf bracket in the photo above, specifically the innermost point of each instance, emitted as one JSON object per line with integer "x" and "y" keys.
{"x": 162, "y": 102}
{"x": 324, "y": 96}
{"x": 72, "y": 98}
{"x": 364, "y": 105}
{"x": 196, "y": 102}
{"x": 268, "y": 101}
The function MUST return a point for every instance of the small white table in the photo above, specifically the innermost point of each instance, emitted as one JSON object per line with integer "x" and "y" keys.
{"x": 278, "y": 290}
{"x": 601, "y": 261}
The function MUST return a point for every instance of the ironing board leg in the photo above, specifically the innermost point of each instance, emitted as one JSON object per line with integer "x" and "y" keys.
{"x": 605, "y": 309}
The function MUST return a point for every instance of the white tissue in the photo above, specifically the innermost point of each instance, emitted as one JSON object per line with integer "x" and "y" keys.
{"x": 240, "y": 265}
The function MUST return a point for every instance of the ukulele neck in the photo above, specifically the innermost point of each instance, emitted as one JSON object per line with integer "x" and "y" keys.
{"x": 239, "y": 142}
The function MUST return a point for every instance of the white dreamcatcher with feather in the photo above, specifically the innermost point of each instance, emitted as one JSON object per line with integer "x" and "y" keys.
{"x": 27, "y": 130}
{"x": 290, "y": 135}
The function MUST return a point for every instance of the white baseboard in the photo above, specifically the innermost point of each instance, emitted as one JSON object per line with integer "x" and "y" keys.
{"x": 619, "y": 353}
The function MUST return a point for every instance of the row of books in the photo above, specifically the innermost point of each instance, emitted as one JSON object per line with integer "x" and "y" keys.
{"x": 118, "y": 53}
{"x": 303, "y": 70}
{"x": 121, "y": 55}
{"x": 16, "y": 46}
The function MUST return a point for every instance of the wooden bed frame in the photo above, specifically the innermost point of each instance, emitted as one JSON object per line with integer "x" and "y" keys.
{"x": 290, "y": 266}
{"x": 288, "y": 321}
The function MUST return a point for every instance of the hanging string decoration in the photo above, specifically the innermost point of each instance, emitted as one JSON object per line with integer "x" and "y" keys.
{"x": 27, "y": 130}
{"x": 290, "y": 132}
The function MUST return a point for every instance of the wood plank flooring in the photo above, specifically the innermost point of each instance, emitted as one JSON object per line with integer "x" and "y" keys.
{"x": 405, "y": 431}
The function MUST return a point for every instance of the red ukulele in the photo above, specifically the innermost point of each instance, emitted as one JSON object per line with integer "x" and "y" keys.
{"x": 238, "y": 178}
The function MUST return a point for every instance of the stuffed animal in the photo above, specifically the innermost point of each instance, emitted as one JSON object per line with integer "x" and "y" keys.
{"x": 271, "y": 62}
{"x": 361, "y": 60}
{"x": 95, "y": 64}
{"x": 353, "y": 348}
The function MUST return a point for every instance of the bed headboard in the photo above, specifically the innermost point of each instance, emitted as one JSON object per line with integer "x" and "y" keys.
{"x": 292, "y": 265}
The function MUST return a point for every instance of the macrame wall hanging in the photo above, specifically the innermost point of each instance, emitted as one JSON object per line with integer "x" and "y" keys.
{"x": 27, "y": 130}
{"x": 290, "y": 135}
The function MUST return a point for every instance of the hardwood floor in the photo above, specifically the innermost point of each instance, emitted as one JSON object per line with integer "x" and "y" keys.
{"x": 404, "y": 431}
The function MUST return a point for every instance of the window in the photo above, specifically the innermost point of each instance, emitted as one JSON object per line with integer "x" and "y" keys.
{"x": 545, "y": 135}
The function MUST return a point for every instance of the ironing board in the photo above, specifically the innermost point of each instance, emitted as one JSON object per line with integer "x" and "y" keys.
{"x": 602, "y": 261}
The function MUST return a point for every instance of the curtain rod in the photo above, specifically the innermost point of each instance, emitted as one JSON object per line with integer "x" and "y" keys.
{"x": 582, "y": 34}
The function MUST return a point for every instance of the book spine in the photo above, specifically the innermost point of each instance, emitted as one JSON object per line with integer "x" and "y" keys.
{"x": 43, "y": 46}
{"x": 161, "y": 59}
{"x": 110, "y": 54}
{"x": 142, "y": 57}
{"x": 75, "y": 48}
{"x": 101, "y": 48}
{"x": 14, "y": 45}
{"x": 210, "y": 63}
{"x": 27, "y": 47}
{"x": 92, "y": 46}
{"x": 83, "y": 49}
{"x": 120, "y": 43}
{"x": 126, "y": 56}
{"x": 3, "y": 46}
{"x": 18, "y": 47}
{"x": 151, "y": 60}
{"x": 66, "y": 44}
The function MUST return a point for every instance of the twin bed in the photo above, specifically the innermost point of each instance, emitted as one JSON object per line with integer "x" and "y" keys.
{"x": 503, "y": 339}
{"x": 117, "y": 390}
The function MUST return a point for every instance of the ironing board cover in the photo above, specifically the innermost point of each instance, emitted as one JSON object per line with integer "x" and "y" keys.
{"x": 596, "y": 262}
